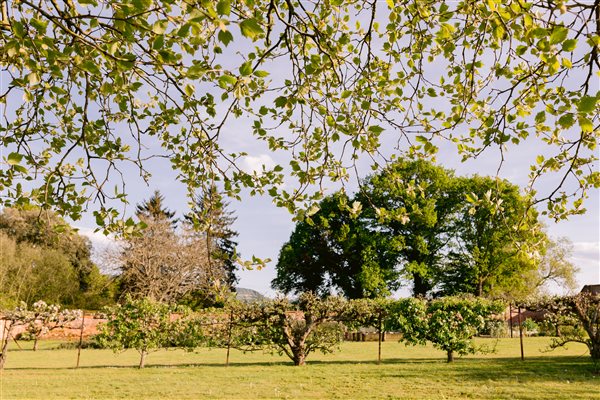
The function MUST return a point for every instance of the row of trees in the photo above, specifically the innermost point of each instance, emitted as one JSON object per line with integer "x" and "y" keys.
{"x": 191, "y": 261}
{"x": 310, "y": 324}
{"x": 417, "y": 221}
{"x": 295, "y": 329}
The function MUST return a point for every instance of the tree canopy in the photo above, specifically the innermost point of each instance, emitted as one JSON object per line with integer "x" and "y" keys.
{"x": 44, "y": 258}
{"x": 94, "y": 87}
{"x": 416, "y": 221}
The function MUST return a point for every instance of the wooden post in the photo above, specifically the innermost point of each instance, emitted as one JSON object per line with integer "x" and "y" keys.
{"x": 510, "y": 319}
{"x": 379, "y": 332}
{"x": 80, "y": 338}
{"x": 521, "y": 335}
{"x": 229, "y": 328}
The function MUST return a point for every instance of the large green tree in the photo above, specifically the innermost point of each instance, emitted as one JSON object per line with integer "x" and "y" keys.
{"x": 415, "y": 202}
{"x": 333, "y": 250}
{"x": 496, "y": 241}
{"x": 94, "y": 86}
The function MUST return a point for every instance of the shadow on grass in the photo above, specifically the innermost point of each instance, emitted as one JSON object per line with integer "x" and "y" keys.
{"x": 481, "y": 369}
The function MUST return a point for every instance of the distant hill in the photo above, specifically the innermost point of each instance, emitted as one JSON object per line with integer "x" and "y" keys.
{"x": 248, "y": 295}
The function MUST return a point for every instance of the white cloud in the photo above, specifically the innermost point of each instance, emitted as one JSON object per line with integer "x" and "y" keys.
{"x": 586, "y": 256}
{"x": 255, "y": 164}
{"x": 97, "y": 238}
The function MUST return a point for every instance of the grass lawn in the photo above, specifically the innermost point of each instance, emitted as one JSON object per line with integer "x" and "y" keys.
{"x": 350, "y": 373}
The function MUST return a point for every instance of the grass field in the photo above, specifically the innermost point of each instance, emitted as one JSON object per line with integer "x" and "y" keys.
{"x": 350, "y": 373}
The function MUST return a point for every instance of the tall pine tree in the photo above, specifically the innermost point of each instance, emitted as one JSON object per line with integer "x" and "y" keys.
{"x": 211, "y": 217}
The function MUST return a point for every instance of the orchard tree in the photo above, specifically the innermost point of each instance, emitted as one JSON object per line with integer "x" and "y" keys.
{"x": 19, "y": 316}
{"x": 294, "y": 329}
{"x": 94, "y": 89}
{"x": 47, "y": 317}
{"x": 144, "y": 325}
{"x": 449, "y": 323}
{"x": 581, "y": 311}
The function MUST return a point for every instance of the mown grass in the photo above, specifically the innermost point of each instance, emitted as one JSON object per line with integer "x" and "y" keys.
{"x": 350, "y": 373}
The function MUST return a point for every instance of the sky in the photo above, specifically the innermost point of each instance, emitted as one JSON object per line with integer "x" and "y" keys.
{"x": 263, "y": 228}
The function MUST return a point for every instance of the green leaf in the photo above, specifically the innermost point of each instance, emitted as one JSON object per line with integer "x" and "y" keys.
{"x": 14, "y": 158}
{"x": 540, "y": 117}
{"x": 225, "y": 37}
{"x": 90, "y": 66}
{"x": 569, "y": 45}
{"x": 196, "y": 71}
{"x": 559, "y": 34}
{"x": 260, "y": 74}
{"x": 227, "y": 80}
{"x": 160, "y": 27}
{"x": 586, "y": 125}
{"x": 158, "y": 43}
{"x": 587, "y": 104}
{"x": 250, "y": 28}
{"x": 566, "y": 121}
{"x": 224, "y": 7}
{"x": 246, "y": 68}
{"x": 376, "y": 129}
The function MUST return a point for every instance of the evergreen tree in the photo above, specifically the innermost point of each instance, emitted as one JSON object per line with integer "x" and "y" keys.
{"x": 154, "y": 208}
{"x": 211, "y": 218}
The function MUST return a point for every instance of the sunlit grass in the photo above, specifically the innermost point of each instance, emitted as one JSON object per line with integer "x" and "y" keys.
{"x": 352, "y": 372}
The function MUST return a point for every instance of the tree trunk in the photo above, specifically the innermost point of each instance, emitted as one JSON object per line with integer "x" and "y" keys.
{"x": 299, "y": 356}
{"x": 4, "y": 351}
{"x": 450, "y": 356}
{"x": 142, "y": 359}
{"x": 421, "y": 285}
{"x": 35, "y": 343}
{"x": 594, "y": 350}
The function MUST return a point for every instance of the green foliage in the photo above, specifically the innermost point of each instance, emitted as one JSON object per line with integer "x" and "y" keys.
{"x": 483, "y": 76}
{"x": 294, "y": 329}
{"x": 333, "y": 249}
{"x": 142, "y": 324}
{"x": 577, "y": 319}
{"x": 497, "y": 242}
{"x": 44, "y": 258}
{"x": 416, "y": 203}
{"x": 417, "y": 221}
{"x": 448, "y": 323}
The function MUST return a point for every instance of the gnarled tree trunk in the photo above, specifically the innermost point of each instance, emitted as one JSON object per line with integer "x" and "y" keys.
{"x": 450, "y": 355}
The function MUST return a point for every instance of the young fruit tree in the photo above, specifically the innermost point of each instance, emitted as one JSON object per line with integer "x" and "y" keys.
{"x": 142, "y": 324}
{"x": 449, "y": 323}
{"x": 579, "y": 311}
{"x": 47, "y": 317}
{"x": 20, "y": 316}
{"x": 294, "y": 329}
